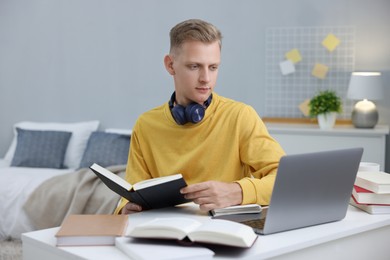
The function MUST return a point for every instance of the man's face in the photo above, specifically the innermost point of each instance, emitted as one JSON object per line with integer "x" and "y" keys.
{"x": 194, "y": 68}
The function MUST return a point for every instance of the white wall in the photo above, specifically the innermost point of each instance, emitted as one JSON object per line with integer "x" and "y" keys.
{"x": 77, "y": 60}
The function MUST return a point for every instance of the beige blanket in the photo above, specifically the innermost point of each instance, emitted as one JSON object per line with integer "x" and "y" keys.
{"x": 80, "y": 192}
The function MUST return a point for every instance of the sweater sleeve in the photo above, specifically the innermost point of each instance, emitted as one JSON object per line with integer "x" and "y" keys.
{"x": 136, "y": 169}
{"x": 261, "y": 154}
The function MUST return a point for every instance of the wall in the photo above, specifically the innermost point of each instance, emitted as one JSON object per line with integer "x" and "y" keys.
{"x": 78, "y": 60}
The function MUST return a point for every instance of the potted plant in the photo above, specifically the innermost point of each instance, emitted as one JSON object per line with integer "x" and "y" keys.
{"x": 325, "y": 106}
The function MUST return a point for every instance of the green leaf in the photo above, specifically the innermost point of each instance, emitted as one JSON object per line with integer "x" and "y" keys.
{"x": 325, "y": 102}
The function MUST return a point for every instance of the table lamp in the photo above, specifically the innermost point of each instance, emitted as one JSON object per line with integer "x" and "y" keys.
{"x": 365, "y": 86}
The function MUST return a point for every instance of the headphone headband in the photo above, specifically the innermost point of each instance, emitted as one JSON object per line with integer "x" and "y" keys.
{"x": 173, "y": 99}
{"x": 193, "y": 113}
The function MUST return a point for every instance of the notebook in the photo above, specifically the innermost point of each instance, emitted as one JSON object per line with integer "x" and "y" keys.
{"x": 309, "y": 189}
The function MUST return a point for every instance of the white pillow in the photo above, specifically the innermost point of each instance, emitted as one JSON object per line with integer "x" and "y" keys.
{"x": 77, "y": 143}
{"x": 118, "y": 131}
{"x": 4, "y": 163}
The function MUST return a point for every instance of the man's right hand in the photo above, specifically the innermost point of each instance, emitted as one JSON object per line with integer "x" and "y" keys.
{"x": 131, "y": 208}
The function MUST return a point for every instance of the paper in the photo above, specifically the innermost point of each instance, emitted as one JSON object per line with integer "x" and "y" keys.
{"x": 294, "y": 56}
{"x": 161, "y": 249}
{"x": 287, "y": 67}
{"x": 320, "y": 71}
{"x": 330, "y": 42}
{"x": 304, "y": 107}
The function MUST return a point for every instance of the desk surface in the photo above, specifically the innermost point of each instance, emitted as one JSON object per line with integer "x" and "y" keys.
{"x": 356, "y": 222}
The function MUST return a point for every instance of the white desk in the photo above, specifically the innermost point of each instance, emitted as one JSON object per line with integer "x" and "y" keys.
{"x": 358, "y": 236}
{"x": 302, "y": 138}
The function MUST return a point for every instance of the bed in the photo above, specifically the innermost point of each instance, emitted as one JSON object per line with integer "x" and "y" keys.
{"x": 44, "y": 175}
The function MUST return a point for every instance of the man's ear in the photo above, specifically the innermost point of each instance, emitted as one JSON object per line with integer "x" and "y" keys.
{"x": 168, "y": 62}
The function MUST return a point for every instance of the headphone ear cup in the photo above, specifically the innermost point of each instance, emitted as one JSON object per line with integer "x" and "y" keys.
{"x": 194, "y": 113}
{"x": 178, "y": 113}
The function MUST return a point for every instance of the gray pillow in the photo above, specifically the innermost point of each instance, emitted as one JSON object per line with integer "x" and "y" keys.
{"x": 106, "y": 149}
{"x": 42, "y": 149}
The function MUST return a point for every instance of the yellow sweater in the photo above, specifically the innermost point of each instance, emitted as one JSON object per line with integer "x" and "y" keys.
{"x": 230, "y": 144}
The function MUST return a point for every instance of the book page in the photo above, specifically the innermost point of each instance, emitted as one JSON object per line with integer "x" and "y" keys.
{"x": 155, "y": 181}
{"x": 224, "y": 232}
{"x": 115, "y": 178}
{"x": 175, "y": 228}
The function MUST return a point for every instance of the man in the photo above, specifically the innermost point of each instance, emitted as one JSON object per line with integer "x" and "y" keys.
{"x": 220, "y": 146}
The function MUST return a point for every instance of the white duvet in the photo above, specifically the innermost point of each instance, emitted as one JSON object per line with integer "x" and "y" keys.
{"x": 16, "y": 184}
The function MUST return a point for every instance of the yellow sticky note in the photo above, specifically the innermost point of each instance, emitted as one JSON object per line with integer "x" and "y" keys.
{"x": 304, "y": 107}
{"x": 294, "y": 56}
{"x": 320, "y": 71}
{"x": 330, "y": 42}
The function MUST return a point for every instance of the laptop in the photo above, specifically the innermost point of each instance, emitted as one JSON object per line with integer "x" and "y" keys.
{"x": 309, "y": 189}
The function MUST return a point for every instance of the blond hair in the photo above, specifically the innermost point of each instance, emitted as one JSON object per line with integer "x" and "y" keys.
{"x": 194, "y": 30}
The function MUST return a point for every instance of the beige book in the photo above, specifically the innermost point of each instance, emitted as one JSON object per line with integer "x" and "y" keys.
{"x": 88, "y": 230}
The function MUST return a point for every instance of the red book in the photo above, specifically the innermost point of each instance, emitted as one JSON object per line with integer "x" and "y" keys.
{"x": 370, "y": 208}
{"x": 365, "y": 196}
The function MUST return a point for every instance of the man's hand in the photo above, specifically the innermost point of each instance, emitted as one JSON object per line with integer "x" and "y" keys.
{"x": 213, "y": 194}
{"x": 131, "y": 208}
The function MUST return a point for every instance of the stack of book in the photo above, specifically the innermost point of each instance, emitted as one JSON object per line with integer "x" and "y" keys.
{"x": 371, "y": 192}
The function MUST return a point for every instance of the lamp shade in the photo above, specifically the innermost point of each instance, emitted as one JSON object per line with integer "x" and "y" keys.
{"x": 365, "y": 85}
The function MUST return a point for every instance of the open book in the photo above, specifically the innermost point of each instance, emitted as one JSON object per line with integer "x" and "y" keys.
{"x": 214, "y": 231}
{"x": 150, "y": 194}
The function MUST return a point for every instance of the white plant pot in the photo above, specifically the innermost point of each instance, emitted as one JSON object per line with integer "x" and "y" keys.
{"x": 327, "y": 120}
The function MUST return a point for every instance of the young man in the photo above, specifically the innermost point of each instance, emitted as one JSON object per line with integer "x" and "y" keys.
{"x": 220, "y": 146}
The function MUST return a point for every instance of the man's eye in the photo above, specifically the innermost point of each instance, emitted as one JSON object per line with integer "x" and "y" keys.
{"x": 213, "y": 68}
{"x": 193, "y": 66}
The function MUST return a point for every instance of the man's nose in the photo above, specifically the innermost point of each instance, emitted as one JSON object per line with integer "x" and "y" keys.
{"x": 204, "y": 75}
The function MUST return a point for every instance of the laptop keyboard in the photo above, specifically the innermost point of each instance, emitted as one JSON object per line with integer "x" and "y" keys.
{"x": 255, "y": 223}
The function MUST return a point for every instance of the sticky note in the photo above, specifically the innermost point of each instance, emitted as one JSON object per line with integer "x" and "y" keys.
{"x": 320, "y": 71}
{"x": 304, "y": 107}
{"x": 294, "y": 56}
{"x": 287, "y": 67}
{"x": 330, "y": 42}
